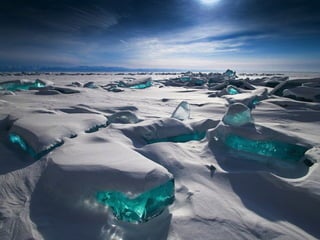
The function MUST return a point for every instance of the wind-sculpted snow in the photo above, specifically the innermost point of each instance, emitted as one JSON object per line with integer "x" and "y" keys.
{"x": 38, "y": 134}
{"x": 236, "y": 160}
{"x": 76, "y": 173}
{"x": 299, "y": 89}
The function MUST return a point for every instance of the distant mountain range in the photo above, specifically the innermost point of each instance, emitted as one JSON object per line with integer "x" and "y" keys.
{"x": 82, "y": 69}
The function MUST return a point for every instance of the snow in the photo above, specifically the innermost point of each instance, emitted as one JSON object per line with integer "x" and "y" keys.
{"x": 126, "y": 141}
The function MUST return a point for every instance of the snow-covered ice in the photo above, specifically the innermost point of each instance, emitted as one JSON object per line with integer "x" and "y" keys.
{"x": 159, "y": 156}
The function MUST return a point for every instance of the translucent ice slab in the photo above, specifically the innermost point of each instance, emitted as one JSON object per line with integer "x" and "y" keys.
{"x": 142, "y": 85}
{"x": 139, "y": 208}
{"x": 237, "y": 115}
{"x": 21, "y": 85}
{"x": 182, "y": 112}
{"x": 268, "y": 148}
{"x": 232, "y": 90}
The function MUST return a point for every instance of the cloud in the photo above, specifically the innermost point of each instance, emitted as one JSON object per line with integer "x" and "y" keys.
{"x": 155, "y": 32}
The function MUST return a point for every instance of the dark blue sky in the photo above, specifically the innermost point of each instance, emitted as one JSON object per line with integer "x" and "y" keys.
{"x": 188, "y": 34}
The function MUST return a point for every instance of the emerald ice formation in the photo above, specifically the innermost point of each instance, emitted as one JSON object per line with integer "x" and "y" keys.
{"x": 16, "y": 139}
{"x": 142, "y": 85}
{"x": 21, "y": 85}
{"x": 232, "y": 90}
{"x": 140, "y": 208}
{"x": 21, "y": 143}
{"x": 268, "y": 148}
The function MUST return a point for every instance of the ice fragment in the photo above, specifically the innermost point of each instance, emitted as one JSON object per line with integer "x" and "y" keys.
{"x": 182, "y": 112}
{"x": 139, "y": 208}
{"x": 237, "y": 115}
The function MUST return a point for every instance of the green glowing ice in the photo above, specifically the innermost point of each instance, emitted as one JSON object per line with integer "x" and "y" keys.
{"x": 232, "y": 91}
{"x": 16, "y": 86}
{"x": 196, "y": 136}
{"x": 142, "y": 85}
{"x": 238, "y": 119}
{"x": 185, "y": 79}
{"x": 16, "y": 139}
{"x": 140, "y": 208}
{"x": 275, "y": 149}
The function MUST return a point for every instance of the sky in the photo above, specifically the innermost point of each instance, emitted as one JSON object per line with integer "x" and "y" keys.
{"x": 173, "y": 34}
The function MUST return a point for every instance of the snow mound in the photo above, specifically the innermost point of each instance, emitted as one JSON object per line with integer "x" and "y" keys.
{"x": 299, "y": 89}
{"x": 250, "y": 99}
{"x": 302, "y": 93}
{"x": 50, "y": 129}
{"x": 77, "y": 171}
{"x": 280, "y": 153}
{"x": 164, "y": 130}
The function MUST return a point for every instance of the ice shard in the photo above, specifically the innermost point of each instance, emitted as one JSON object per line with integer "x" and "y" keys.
{"x": 268, "y": 148}
{"x": 237, "y": 115}
{"x": 182, "y": 112}
{"x": 141, "y": 208}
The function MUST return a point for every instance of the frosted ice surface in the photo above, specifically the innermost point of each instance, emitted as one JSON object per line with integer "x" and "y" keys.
{"x": 237, "y": 115}
{"x": 182, "y": 112}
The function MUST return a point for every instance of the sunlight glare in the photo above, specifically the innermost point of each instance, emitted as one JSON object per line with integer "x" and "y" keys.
{"x": 209, "y": 2}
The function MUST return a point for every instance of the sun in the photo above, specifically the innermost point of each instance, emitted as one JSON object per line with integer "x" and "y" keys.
{"x": 209, "y": 2}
